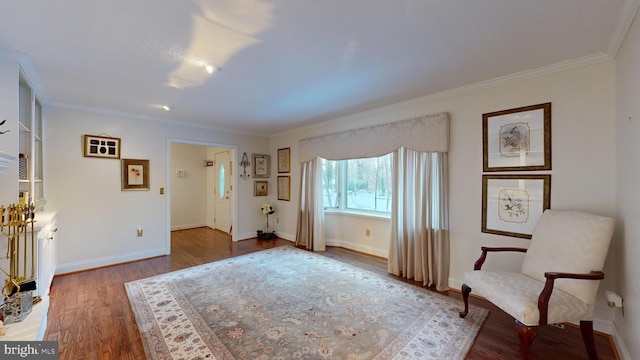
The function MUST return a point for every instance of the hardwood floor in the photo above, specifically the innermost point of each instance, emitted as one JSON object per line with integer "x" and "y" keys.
{"x": 91, "y": 318}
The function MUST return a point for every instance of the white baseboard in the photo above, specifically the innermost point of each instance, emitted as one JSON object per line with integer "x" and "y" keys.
{"x": 106, "y": 261}
{"x": 358, "y": 247}
{"x": 185, "y": 227}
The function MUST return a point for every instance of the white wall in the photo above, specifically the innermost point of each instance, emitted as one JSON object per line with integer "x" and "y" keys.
{"x": 188, "y": 192}
{"x": 97, "y": 221}
{"x": 627, "y": 241}
{"x": 9, "y": 78}
{"x": 582, "y": 155}
{"x": 8, "y": 144}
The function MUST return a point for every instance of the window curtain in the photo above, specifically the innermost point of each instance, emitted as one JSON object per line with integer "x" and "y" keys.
{"x": 310, "y": 232}
{"x": 419, "y": 246}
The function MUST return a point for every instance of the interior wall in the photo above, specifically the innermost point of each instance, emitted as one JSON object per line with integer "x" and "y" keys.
{"x": 627, "y": 242}
{"x": 583, "y": 145}
{"x": 9, "y": 78}
{"x": 97, "y": 221}
{"x": 188, "y": 186}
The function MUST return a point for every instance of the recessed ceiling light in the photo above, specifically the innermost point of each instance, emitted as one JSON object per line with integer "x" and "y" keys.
{"x": 167, "y": 107}
{"x": 210, "y": 68}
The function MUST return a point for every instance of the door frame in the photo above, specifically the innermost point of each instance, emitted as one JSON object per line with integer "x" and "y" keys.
{"x": 167, "y": 189}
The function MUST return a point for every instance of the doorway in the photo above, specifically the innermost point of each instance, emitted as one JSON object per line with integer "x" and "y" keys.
{"x": 200, "y": 185}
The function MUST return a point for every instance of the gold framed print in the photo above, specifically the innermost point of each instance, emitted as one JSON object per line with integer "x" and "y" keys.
{"x": 284, "y": 188}
{"x": 261, "y": 166}
{"x": 517, "y": 139}
{"x": 135, "y": 174}
{"x": 101, "y": 147}
{"x": 260, "y": 188}
{"x": 513, "y": 204}
{"x": 284, "y": 160}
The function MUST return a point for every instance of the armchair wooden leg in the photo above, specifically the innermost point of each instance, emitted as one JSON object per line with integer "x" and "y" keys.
{"x": 465, "y": 297}
{"x": 586, "y": 328}
{"x": 527, "y": 334}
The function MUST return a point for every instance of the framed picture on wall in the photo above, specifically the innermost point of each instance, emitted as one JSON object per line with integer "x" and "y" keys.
{"x": 260, "y": 188}
{"x": 261, "y": 166}
{"x": 513, "y": 204}
{"x": 284, "y": 161}
{"x": 517, "y": 139}
{"x": 101, "y": 147}
{"x": 135, "y": 174}
{"x": 284, "y": 188}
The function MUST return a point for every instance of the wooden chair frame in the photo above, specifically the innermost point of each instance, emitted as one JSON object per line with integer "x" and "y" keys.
{"x": 528, "y": 333}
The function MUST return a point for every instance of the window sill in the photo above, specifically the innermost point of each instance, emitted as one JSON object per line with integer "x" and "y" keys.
{"x": 361, "y": 214}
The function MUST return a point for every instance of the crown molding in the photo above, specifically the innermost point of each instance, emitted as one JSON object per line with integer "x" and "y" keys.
{"x": 626, "y": 14}
{"x": 118, "y": 113}
{"x": 484, "y": 85}
{"x": 28, "y": 72}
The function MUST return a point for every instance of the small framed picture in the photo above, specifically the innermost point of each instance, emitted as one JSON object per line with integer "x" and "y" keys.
{"x": 101, "y": 147}
{"x": 135, "y": 174}
{"x": 517, "y": 139}
{"x": 284, "y": 188}
{"x": 284, "y": 162}
{"x": 513, "y": 204}
{"x": 260, "y": 188}
{"x": 261, "y": 166}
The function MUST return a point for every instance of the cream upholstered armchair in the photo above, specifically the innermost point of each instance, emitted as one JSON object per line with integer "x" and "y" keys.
{"x": 559, "y": 278}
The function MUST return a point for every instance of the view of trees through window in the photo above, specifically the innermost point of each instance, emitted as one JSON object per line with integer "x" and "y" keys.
{"x": 358, "y": 184}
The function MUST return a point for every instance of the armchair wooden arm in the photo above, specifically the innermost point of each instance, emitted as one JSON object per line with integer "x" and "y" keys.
{"x": 545, "y": 295}
{"x": 478, "y": 264}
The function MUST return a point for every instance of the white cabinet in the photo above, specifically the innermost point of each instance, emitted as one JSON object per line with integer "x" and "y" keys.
{"x": 46, "y": 254}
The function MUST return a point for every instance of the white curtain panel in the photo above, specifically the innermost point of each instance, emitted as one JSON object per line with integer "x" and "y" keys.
{"x": 419, "y": 246}
{"x": 310, "y": 232}
{"x": 426, "y": 133}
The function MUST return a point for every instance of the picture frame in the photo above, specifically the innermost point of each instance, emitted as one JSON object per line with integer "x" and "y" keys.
{"x": 513, "y": 204}
{"x": 135, "y": 174}
{"x": 284, "y": 188}
{"x": 261, "y": 166}
{"x": 101, "y": 147}
{"x": 517, "y": 139}
{"x": 260, "y": 188}
{"x": 284, "y": 160}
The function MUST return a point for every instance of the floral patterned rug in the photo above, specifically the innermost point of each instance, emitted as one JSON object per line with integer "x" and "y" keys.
{"x": 286, "y": 303}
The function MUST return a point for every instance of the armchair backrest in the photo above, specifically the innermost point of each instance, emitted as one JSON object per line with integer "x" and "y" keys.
{"x": 572, "y": 242}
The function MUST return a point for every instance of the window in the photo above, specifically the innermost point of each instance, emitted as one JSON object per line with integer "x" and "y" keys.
{"x": 358, "y": 184}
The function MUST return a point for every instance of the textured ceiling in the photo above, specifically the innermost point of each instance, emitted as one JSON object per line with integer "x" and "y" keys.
{"x": 291, "y": 63}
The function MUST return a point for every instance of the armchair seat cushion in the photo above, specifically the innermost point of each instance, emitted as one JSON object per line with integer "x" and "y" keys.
{"x": 517, "y": 295}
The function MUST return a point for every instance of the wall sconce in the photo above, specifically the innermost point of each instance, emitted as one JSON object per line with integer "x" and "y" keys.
{"x": 208, "y": 163}
{"x": 244, "y": 163}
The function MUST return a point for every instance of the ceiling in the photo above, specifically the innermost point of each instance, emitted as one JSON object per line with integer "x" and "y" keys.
{"x": 287, "y": 63}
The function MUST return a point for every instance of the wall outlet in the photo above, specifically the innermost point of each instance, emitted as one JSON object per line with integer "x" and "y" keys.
{"x": 277, "y": 220}
{"x": 139, "y": 232}
{"x": 367, "y": 232}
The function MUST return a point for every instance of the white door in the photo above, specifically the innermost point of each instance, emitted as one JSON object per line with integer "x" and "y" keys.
{"x": 223, "y": 191}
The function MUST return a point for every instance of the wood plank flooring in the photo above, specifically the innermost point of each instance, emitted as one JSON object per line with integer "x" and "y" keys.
{"x": 91, "y": 318}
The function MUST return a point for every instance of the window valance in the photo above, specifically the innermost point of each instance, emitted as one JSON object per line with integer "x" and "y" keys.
{"x": 426, "y": 133}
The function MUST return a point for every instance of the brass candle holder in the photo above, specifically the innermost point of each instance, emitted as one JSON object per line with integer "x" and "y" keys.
{"x": 17, "y": 226}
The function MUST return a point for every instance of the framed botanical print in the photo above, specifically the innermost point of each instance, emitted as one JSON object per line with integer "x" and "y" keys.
{"x": 513, "y": 204}
{"x": 261, "y": 166}
{"x": 284, "y": 188}
{"x": 284, "y": 161}
{"x": 260, "y": 188}
{"x": 517, "y": 139}
{"x": 135, "y": 174}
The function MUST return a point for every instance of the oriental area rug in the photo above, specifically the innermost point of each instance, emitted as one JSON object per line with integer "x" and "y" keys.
{"x": 286, "y": 303}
